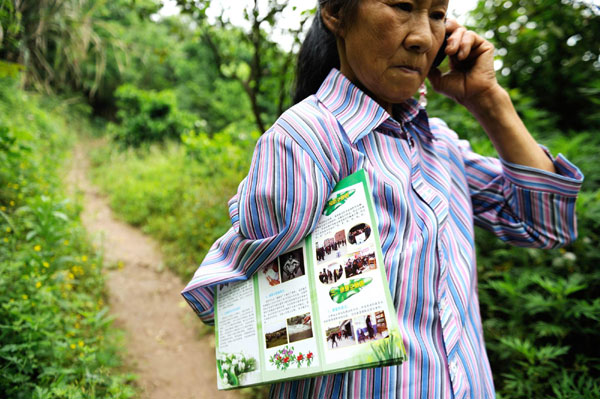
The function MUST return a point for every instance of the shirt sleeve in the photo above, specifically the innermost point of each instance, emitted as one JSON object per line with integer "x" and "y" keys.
{"x": 276, "y": 206}
{"x": 522, "y": 205}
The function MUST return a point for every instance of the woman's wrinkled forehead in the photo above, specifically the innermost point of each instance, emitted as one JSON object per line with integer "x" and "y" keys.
{"x": 341, "y": 2}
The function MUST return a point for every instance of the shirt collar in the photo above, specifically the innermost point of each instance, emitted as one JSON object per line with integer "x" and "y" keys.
{"x": 358, "y": 113}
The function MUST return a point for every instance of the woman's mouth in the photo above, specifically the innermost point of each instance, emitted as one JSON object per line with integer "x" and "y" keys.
{"x": 409, "y": 69}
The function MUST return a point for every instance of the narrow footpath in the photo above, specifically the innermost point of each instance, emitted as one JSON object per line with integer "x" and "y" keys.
{"x": 163, "y": 346}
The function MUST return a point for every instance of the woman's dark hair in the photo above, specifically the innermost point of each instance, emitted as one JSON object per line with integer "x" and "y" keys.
{"x": 318, "y": 53}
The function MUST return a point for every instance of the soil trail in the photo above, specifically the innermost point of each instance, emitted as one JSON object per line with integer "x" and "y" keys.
{"x": 163, "y": 346}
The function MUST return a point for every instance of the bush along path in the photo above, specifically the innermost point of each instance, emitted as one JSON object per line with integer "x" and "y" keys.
{"x": 164, "y": 347}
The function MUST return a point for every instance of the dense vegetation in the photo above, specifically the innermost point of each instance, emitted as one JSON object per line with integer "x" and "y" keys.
{"x": 184, "y": 98}
{"x": 55, "y": 334}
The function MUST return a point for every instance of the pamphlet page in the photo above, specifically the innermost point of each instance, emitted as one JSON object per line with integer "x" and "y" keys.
{"x": 323, "y": 306}
{"x": 357, "y": 320}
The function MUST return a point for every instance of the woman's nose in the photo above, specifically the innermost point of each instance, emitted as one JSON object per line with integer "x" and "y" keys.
{"x": 419, "y": 37}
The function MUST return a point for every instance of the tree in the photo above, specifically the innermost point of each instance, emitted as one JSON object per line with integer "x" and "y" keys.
{"x": 250, "y": 57}
{"x": 550, "y": 51}
{"x": 68, "y": 45}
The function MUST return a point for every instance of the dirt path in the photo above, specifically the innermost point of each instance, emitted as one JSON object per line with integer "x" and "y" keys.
{"x": 163, "y": 347}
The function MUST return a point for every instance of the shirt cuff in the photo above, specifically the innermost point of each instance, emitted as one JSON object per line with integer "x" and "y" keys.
{"x": 567, "y": 181}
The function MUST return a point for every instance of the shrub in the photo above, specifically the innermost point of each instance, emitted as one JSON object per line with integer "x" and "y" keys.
{"x": 55, "y": 334}
{"x": 177, "y": 192}
{"x": 540, "y": 308}
{"x": 148, "y": 116}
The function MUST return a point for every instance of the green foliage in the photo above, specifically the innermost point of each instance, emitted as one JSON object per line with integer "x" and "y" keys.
{"x": 549, "y": 51}
{"x": 149, "y": 116}
{"x": 53, "y": 39}
{"x": 179, "y": 192}
{"x": 55, "y": 331}
{"x": 199, "y": 89}
{"x": 540, "y": 308}
{"x": 10, "y": 21}
{"x": 249, "y": 56}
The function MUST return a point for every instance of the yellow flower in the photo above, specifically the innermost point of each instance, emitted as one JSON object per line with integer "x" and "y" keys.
{"x": 24, "y": 296}
{"x": 12, "y": 203}
{"x": 45, "y": 264}
{"x": 2, "y": 208}
{"x": 81, "y": 344}
{"x": 5, "y": 239}
{"x": 15, "y": 186}
{"x": 77, "y": 325}
{"x": 37, "y": 248}
{"x": 71, "y": 276}
{"x": 73, "y": 346}
{"x": 120, "y": 264}
{"x": 84, "y": 258}
{"x": 8, "y": 229}
{"x": 38, "y": 284}
{"x": 66, "y": 242}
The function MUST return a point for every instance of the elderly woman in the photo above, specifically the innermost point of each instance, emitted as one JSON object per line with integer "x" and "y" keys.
{"x": 361, "y": 64}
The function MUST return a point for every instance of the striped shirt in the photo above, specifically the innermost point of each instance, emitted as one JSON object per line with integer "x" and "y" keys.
{"x": 429, "y": 189}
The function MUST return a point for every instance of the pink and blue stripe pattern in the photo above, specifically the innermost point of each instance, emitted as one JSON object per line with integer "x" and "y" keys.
{"x": 429, "y": 190}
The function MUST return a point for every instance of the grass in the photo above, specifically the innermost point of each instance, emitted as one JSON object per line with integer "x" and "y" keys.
{"x": 178, "y": 193}
{"x": 169, "y": 195}
{"x": 56, "y": 334}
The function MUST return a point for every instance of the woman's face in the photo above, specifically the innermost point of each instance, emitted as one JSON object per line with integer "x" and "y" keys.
{"x": 388, "y": 47}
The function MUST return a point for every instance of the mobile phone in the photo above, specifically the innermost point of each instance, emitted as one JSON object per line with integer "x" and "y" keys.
{"x": 439, "y": 58}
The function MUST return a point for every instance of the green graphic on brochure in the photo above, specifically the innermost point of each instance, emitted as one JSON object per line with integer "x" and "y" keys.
{"x": 321, "y": 307}
{"x": 344, "y": 291}
{"x": 336, "y": 202}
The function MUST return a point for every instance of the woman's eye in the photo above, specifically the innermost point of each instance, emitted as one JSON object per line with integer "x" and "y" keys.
{"x": 404, "y": 6}
{"x": 438, "y": 15}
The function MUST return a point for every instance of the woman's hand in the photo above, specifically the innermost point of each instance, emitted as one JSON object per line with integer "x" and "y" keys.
{"x": 471, "y": 72}
{"x": 472, "y": 82}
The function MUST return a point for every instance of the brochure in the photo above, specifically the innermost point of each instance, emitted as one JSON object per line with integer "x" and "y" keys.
{"x": 322, "y": 307}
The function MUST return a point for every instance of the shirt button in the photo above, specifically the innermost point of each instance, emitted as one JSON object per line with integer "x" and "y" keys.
{"x": 443, "y": 305}
{"x": 453, "y": 368}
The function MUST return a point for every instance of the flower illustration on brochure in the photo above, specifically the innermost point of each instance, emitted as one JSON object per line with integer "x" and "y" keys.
{"x": 285, "y": 357}
{"x": 231, "y": 367}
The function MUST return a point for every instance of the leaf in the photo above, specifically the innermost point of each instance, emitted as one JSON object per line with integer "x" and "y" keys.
{"x": 61, "y": 215}
{"x": 522, "y": 347}
{"x": 31, "y": 235}
{"x": 8, "y": 220}
{"x": 545, "y": 329}
{"x": 550, "y": 352}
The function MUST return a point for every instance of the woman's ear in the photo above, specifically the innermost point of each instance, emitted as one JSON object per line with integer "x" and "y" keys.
{"x": 331, "y": 19}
